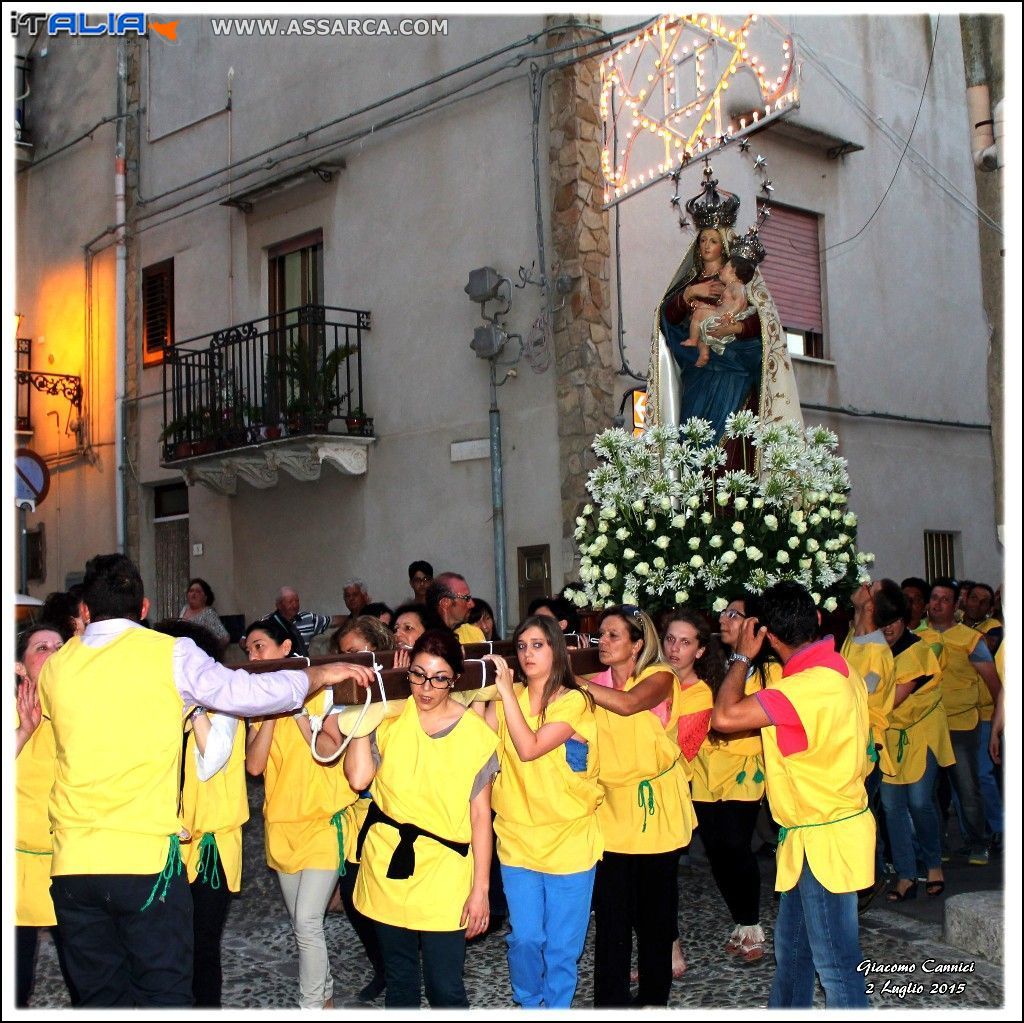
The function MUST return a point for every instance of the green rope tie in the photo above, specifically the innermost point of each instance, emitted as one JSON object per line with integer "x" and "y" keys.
{"x": 904, "y": 738}
{"x": 741, "y": 777}
{"x": 645, "y": 794}
{"x": 338, "y": 821}
{"x": 207, "y": 871}
{"x": 172, "y": 867}
{"x": 872, "y": 751}
{"x": 783, "y": 832}
{"x": 33, "y": 852}
{"x": 758, "y": 776}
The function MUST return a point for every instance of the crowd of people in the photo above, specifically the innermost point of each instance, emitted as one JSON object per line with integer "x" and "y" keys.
{"x": 559, "y": 796}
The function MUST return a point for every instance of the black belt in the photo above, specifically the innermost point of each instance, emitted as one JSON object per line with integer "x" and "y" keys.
{"x": 403, "y": 860}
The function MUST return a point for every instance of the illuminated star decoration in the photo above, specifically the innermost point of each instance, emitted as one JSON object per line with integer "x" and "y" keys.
{"x": 767, "y": 187}
{"x": 759, "y": 162}
{"x": 744, "y": 145}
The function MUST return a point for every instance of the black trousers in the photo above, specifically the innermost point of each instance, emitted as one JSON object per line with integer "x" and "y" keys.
{"x": 210, "y": 908}
{"x": 635, "y": 893}
{"x": 365, "y": 928}
{"x": 26, "y": 945}
{"x": 726, "y": 828}
{"x": 119, "y": 955}
{"x": 444, "y": 957}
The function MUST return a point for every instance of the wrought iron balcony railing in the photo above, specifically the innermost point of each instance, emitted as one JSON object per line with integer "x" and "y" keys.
{"x": 289, "y": 374}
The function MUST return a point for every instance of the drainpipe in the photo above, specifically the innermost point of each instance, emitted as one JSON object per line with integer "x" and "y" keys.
{"x": 497, "y": 510}
{"x": 121, "y": 264}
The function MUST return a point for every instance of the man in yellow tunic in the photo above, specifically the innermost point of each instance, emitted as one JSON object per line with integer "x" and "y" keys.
{"x": 814, "y": 725}
{"x": 119, "y": 890}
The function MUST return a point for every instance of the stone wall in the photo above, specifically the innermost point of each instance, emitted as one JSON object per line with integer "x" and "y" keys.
{"x": 581, "y": 248}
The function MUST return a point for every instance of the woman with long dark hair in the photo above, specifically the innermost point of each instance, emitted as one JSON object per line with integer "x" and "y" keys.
{"x": 545, "y": 798}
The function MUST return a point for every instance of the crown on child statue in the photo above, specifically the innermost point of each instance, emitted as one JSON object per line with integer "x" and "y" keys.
{"x": 713, "y": 208}
{"x": 749, "y": 247}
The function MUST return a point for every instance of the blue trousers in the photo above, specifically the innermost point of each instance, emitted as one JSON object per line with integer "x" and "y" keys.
{"x": 910, "y": 811}
{"x": 991, "y": 797}
{"x": 444, "y": 956}
{"x": 549, "y": 915}
{"x": 816, "y": 932}
{"x": 963, "y": 778}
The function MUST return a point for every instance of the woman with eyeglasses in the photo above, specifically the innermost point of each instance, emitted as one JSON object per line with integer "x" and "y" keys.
{"x": 303, "y": 812}
{"x": 646, "y": 817}
{"x": 545, "y": 798}
{"x": 727, "y": 786}
{"x": 426, "y": 845}
{"x": 35, "y": 764}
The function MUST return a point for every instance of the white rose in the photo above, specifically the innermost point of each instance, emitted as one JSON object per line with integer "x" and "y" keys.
{"x": 693, "y": 543}
{"x": 754, "y": 554}
{"x": 678, "y": 521}
{"x": 665, "y": 504}
{"x": 771, "y": 521}
{"x": 723, "y": 499}
{"x": 821, "y": 558}
{"x": 715, "y": 541}
{"x": 793, "y": 542}
{"x": 630, "y": 598}
{"x": 622, "y": 533}
{"x": 682, "y": 596}
{"x": 651, "y": 525}
{"x": 602, "y": 526}
{"x": 580, "y": 521}
{"x": 849, "y": 519}
{"x": 662, "y": 542}
{"x": 816, "y": 597}
{"x": 737, "y": 528}
{"x": 815, "y": 519}
{"x": 707, "y": 518}
{"x": 836, "y": 514}
{"x": 782, "y": 557}
{"x": 738, "y": 544}
{"x": 610, "y": 571}
{"x": 729, "y": 557}
{"x": 694, "y": 501}
{"x": 642, "y": 568}
{"x": 588, "y": 509}
{"x": 805, "y": 563}
{"x": 608, "y": 513}
{"x": 797, "y": 516}
{"x": 696, "y": 561}
{"x": 740, "y": 503}
{"x": 638, "y": 505}
{"x": 659, "y": 563}
{"x": 801, "y": 528}
{"x": 629, "y": 554}
{"x": 719, "y": 605}
{"x": 830, "y": 604}
{"x": 844, "y": 557}
{"x": 758, "y": 502}
{"x": 812, "y": 545}
{"x": 604, "y": 590}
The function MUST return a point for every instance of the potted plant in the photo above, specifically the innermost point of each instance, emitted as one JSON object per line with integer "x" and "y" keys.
{"x": 355, "y": 421}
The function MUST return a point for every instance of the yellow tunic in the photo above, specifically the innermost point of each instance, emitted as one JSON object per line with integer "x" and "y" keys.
{"x": 470, "y": 634}
{"x": 34, "y": 771}
{"x": 424, "y": 781}
{"x": 546, "y": 812}
{"x": 871, "y": 658}
{"x": 647, "y": 806}
{"x": 114, "y": 804}
{"x": 301, "y": 798}
{"x": 819, "y": 793}
{"x": 218, "y": 806}
{"x": 919, "y": 723}
{"x": 961, "y": 684}
{"x": 733, "y": 768}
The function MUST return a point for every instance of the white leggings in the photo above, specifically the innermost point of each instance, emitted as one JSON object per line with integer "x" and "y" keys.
{"x": 306, "y": 894}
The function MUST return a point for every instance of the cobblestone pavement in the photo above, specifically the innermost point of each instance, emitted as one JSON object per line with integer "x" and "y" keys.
{"x": 260, "y": 968}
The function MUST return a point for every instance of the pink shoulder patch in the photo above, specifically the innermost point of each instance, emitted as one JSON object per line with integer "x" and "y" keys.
{"x": 692, "y": 730}
{"x": 789, "y": 729}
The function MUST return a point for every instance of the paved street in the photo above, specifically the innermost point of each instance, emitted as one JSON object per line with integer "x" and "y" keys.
{"x": 260, "y": 967}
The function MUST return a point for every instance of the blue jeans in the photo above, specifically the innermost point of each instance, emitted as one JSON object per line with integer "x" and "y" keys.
{"x": 963, "y": 779}
{"x": 816, "y": 931}
{"x": 913, "y": 803}
{"x": 991, "y": 797}
{"x": 549, "y": 915}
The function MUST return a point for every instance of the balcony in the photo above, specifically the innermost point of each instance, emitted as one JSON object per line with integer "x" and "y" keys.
{"x": 281, "y": 392}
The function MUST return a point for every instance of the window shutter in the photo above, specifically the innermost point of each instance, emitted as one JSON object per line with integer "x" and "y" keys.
{"x": 157, "y": 310}
{"x": 792, "y": 268}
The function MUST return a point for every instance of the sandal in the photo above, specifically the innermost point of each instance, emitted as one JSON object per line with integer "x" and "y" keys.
{"x": 934, "y": 888}
{"x": 895, "y": 895}
{"x": 752, "y": 946}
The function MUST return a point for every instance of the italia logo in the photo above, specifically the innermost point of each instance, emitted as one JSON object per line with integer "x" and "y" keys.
{"x": 76, "y": 23}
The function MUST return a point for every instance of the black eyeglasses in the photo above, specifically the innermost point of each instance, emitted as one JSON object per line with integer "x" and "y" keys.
{"x": 417, "y": 678}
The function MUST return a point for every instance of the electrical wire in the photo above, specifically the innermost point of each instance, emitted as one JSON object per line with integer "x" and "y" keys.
{"x": 899, "y": 163}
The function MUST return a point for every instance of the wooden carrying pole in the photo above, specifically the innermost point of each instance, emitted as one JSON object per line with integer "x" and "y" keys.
{"x": 477, "y": 673}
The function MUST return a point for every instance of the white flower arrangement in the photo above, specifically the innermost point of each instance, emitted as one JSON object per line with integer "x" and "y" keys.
{"x": 666, "y": 494}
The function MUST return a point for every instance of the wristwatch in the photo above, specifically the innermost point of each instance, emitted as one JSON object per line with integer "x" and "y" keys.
{"x": 742, "y": 658}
